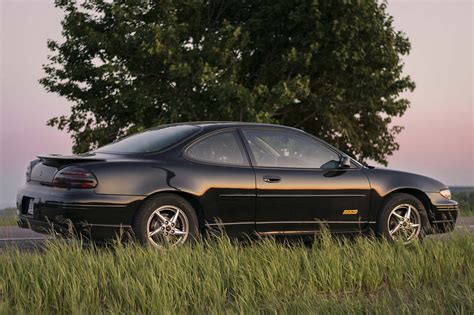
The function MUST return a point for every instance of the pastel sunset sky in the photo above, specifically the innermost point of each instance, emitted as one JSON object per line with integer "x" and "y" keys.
{"x": 438, "y": 139}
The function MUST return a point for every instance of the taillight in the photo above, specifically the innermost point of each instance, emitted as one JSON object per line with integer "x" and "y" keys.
{"x": 74, "y": 177}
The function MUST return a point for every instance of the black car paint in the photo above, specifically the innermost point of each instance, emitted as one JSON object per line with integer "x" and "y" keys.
{"x": 236, "y": 197}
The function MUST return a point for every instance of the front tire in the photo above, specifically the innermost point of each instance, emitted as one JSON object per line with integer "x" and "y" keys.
{"x": 165, "y": 220}
{"x": 402, "y": 219}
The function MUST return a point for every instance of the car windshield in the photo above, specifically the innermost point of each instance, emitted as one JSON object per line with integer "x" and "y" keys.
{"x": 151, "y": 140}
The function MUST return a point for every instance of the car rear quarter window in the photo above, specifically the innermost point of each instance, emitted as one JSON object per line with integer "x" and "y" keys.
{"x": 221, "y": 148}
{"x": 152, "y": 140}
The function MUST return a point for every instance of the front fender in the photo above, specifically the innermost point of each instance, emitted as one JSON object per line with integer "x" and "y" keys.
{"x": 384, "y": 182}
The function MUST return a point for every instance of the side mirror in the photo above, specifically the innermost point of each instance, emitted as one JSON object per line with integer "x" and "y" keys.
{"x": 345, "y": 162}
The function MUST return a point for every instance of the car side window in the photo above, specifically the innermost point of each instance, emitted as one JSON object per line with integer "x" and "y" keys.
{"x": 222, "y": 148}
{"x": 274, "y": 148}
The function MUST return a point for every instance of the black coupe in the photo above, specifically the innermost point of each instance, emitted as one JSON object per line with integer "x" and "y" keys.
{"x": 171, "y": 183}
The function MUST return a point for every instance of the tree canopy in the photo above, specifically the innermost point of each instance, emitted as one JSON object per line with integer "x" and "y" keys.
{"x": 332, "y": 68}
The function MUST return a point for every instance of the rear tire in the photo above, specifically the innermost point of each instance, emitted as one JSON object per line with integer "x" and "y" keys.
{"x": 165, "y": 220}
{"x": 402, "y": 219}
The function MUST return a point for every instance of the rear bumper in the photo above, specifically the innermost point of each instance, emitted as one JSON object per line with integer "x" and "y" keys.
{"x": 75, "y": 211}
{"x": 69, "y": 229}
{"x": 444, "y": 213}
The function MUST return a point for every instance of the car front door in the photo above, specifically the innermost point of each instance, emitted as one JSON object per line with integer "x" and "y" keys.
{"x": 224, "y": 181}
{"x": 300, "y": 184}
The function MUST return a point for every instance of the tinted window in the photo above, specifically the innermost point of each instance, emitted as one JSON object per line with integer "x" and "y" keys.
{"x": 286, "y": 149}
{"x": 222, "y": 148}
{"x": 152, "y": 140}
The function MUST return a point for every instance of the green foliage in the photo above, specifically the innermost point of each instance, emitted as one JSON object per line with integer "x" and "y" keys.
{"x": 332, "y": 68}
{"x": 217, "y": 277}
{"x": 466, "y": 202}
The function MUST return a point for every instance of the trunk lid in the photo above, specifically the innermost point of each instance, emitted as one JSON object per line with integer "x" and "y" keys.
{"x": 45, "y": 167}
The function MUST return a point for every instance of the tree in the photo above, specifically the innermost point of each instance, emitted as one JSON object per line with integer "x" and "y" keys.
{"x": 332, "y": 68}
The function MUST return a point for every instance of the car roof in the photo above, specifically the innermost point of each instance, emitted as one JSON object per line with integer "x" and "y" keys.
{"x": 214, "y": 125}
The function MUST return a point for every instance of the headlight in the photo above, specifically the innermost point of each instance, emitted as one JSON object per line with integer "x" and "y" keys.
{"x": 445, "y": 193}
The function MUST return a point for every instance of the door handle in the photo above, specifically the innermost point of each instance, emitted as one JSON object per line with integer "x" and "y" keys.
{"x": 271, "y": 178}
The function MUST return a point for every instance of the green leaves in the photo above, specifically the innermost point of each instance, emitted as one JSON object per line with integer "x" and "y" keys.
{"x": 333, "y": 68}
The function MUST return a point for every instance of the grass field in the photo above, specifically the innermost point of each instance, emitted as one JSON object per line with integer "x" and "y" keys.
{"x": 8, "y": 217}
{"x": 334, "y": 275}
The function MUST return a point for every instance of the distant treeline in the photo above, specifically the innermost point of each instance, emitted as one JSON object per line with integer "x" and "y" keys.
{"x": 461, "y": 189}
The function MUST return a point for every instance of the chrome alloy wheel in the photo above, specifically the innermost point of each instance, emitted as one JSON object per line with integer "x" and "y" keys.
{"x": 404, "y": 223}
{"x": 167, "y": 225}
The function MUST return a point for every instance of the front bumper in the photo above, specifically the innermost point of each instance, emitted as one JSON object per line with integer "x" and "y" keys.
{"x": 77, "y": 211}
{"x": 444, "y": 213}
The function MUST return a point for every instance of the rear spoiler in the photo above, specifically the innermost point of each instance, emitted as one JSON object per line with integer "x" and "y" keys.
{"x": 67, "y": 159}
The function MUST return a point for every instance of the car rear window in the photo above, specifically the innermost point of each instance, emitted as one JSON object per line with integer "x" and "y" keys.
{"x": 151, "y": 140}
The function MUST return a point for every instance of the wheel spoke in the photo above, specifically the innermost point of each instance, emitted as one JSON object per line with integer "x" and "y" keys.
{"x": 412, "y": 232}
{"x": 154, "y": 232}
{"x": 408, "y": 213}
{"x": 174, "y": 219}
{"x": 161, "y": 217}
{"x": 395, "y": 229}
{"x": 397, "y": 215}
{"x": 179, "y": 232}
{"x": 406, "y": 235}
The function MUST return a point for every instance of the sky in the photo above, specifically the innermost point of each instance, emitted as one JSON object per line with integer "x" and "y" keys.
{"x": 438, "y": 139}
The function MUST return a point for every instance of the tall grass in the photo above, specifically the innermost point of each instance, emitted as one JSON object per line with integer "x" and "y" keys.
{"x": 218, "y": 276}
